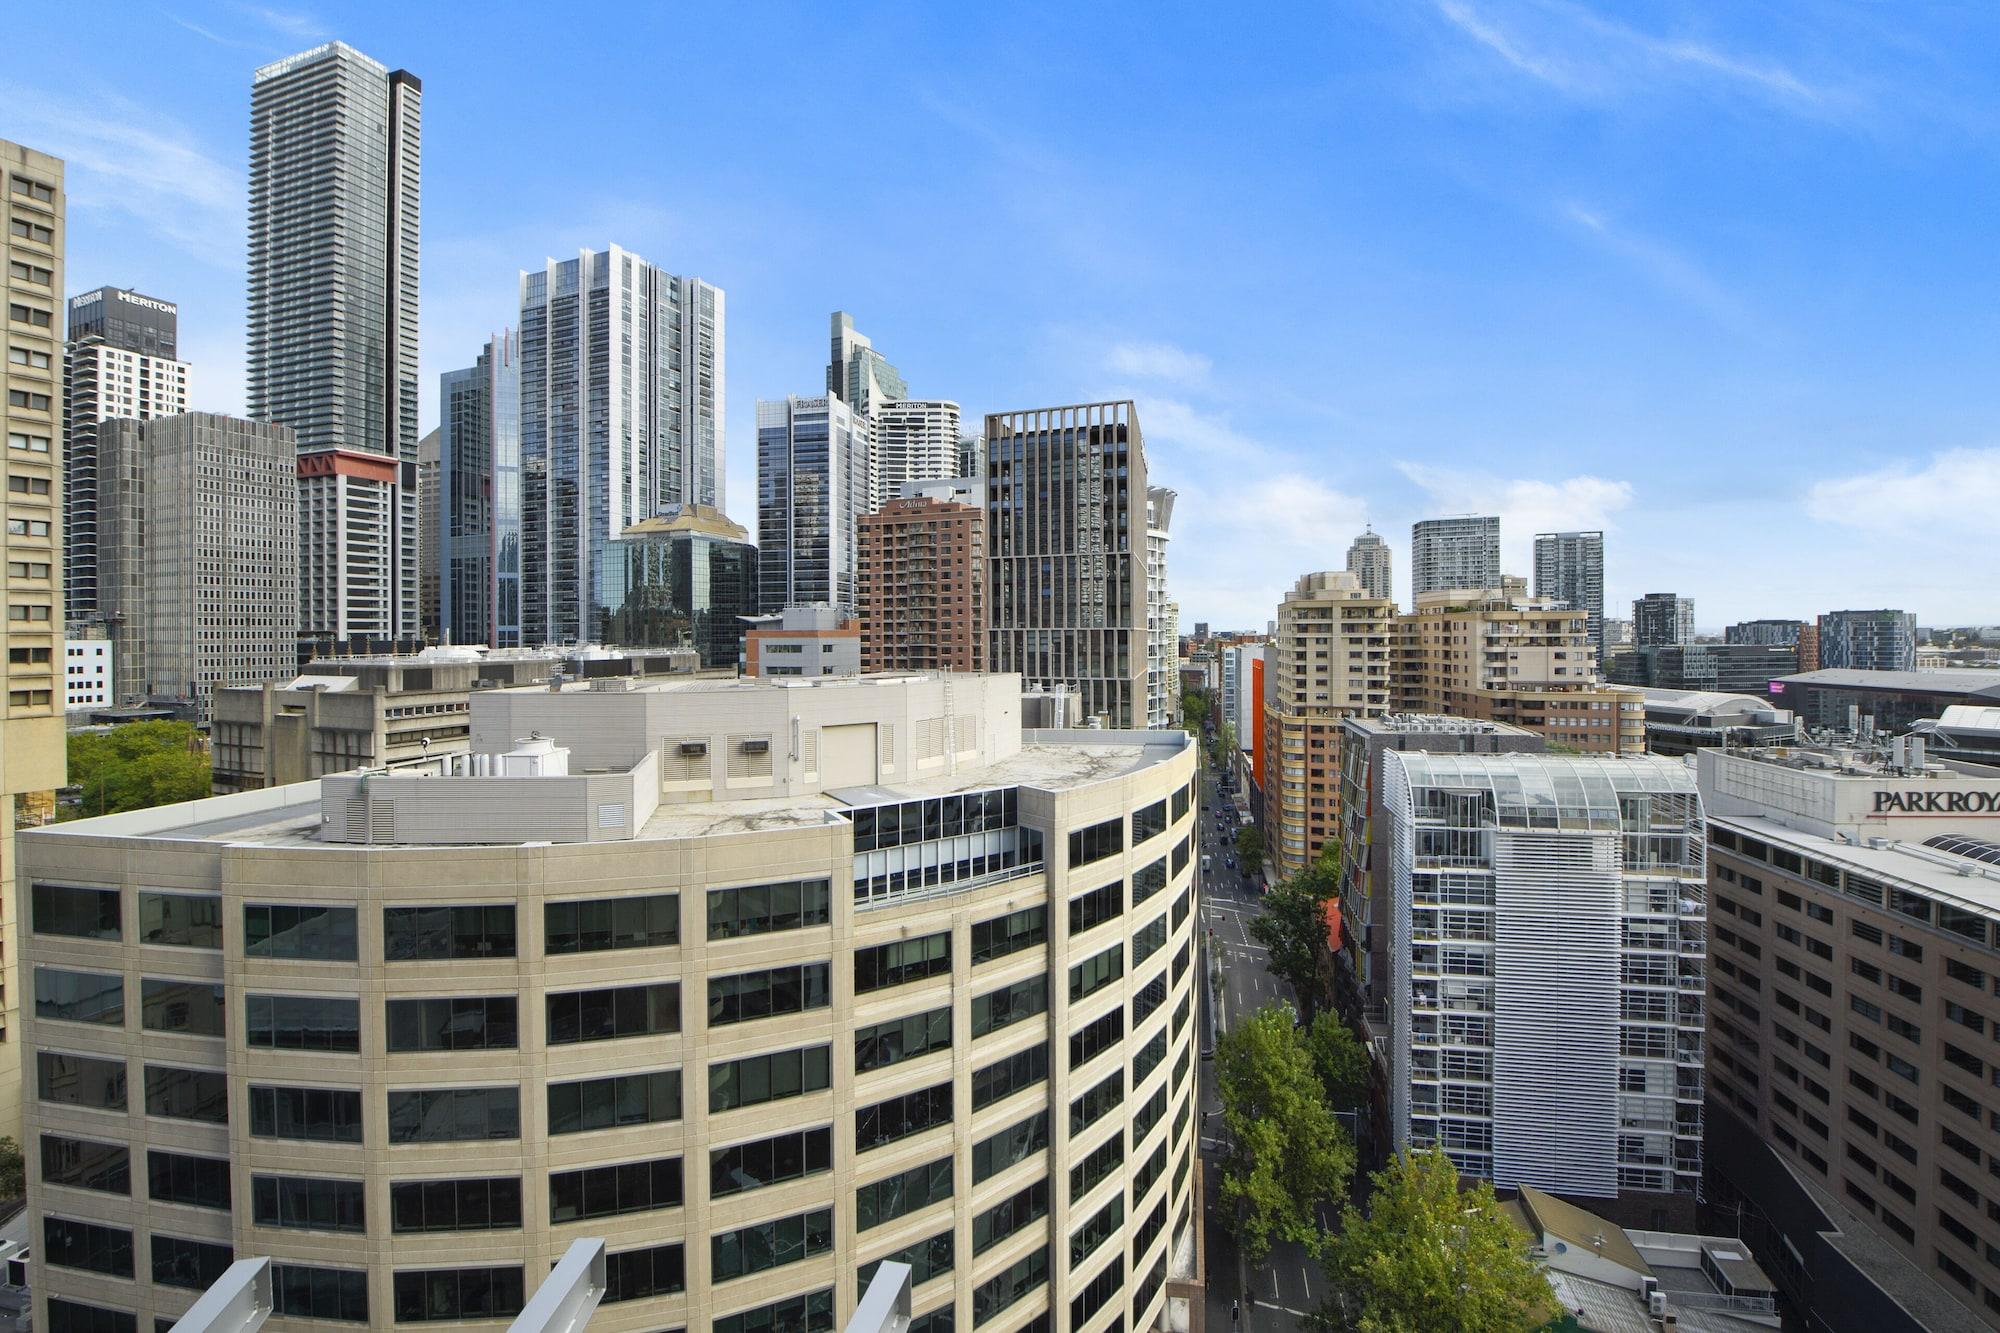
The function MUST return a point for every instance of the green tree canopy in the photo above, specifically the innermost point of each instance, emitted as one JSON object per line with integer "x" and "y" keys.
{"x": 13, "y": 1173}
{"x": 1289, "y": 1153}
{"x": 137, "y": 765}
{"x": 1250, "y": 846}
{"x": 1428, "y": 1258}
{"x": 1292, "y": 927}
{"x": 1340, "y": 1060}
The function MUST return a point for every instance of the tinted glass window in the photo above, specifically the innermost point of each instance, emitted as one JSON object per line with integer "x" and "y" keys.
{"x": 780, "y": 990}
{"x": 80, "y": 997}
{"x": 329, "y": 1115}
{"x": 187, "y": 1094}
{"x": 479, "y": 931}
{"x": 194, "y": 1264}
{"x": 453, "y": 1115}
{"x": 184, "y": 920}
{"x": 757, "y": 909}
{"x": 467, "y": 1023}
{"x": 75, "y": 1244}
{"x": 192, "y": 1007}
{"x": 750, "y": 1166}
{"x": 197, "y": 1182}
{"x": 78, "y": 1080}
{"x": 598, "y": 924}
{"x": 491, "y": 1203}
{"x": 604, "y": 1103}
{"x": 608, "y": 1191}
{"x": 458, "y": 1293}
{"x": 624, "y": 1011}
{"x": 86, "y": 1165}
{"x": 308, "y": 1203}
{"x": 299, "y": 930}
{"x": 303, "y": 1022}
{"x": 90, "y": 914}
{"x": 768, "y": 1078}
{"x": 320, "y": 1293}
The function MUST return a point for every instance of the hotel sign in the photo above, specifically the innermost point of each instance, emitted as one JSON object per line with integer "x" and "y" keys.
{"x": 1937, "y": 802}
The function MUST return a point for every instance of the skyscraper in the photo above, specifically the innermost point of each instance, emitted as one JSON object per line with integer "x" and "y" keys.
{"x": 1569, "y": 567}
{"x": 428, "y": 545}
{"x": 1454, "y": 553}
{"x": 971, "y": 457}
{"x": 921, "y": 586}
{"x": 1369, "y": 561}
{"x": 1780, "y": 632}
{"x": 1163, "y": 652}
{"x": 1867, "y": 641}
{"x": 479, "y": 497}
{"x": 916, "y": 439}
{"x": 1661, "y": 618}
{"x": 334, "y": 183}
{"x": 857, "y": 374}
{"x": 121, "y": 363}
{"x": 1069, "y": 533}
{"x": 621, "y": 415}
{"x": 814, "y": 468}
{"x": 32, "y": 762}
{"x": 684, "y": 578}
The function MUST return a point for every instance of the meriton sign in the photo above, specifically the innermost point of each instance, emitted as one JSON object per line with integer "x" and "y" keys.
{"x": 1937, "y": 802}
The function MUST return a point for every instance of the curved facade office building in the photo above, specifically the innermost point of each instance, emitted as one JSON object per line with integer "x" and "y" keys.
{"x": 762, "y": 982}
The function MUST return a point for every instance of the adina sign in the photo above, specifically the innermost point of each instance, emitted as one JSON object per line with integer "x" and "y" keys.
{"x": 1938, "y": 802}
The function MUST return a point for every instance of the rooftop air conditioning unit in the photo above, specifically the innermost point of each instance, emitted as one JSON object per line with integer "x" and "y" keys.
{"x": 694, "y": 747}
{"x": 759, "y": 745}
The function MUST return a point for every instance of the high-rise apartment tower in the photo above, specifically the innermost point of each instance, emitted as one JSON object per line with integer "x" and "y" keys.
{"x": 916, "y": 439}
{"x": 479, "y": 497}
{"x": 1867, "y": 641}
{"x": 1569, "y": 568}
{"x": 1661, "y": 618}
{"x": 1368, "y": 559}
{"x": 1448, "y": 553}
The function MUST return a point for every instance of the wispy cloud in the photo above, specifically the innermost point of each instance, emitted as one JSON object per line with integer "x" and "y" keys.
{"x": 1493, "y": 39}
{"x": 295, "y": 24}
{"x": 1177, "y": 425}
{"x": 235, "y": 43}
{"x": 1664, "y": 266}
{"x": 1157, "y": 361}
{"x": 1953, "y": 497}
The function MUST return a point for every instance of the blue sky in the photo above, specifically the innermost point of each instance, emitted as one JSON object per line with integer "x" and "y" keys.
{"x": 1717, "y": 278}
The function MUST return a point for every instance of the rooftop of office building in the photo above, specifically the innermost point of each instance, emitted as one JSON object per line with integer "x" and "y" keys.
{"x": 1436, "y": 724}
{"x": 1943, "y": 680}
{"x": 1948, "y": 868}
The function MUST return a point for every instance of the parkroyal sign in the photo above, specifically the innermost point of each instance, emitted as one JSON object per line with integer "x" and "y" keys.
{"x": 1937, "y": 802}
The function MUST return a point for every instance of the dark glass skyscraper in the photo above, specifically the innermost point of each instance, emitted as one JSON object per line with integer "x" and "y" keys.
{"x": 479, "y": 498}
{"x": 681, "y": 579}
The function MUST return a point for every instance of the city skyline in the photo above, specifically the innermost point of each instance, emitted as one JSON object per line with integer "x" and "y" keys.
{"x": 1650, "y": 329}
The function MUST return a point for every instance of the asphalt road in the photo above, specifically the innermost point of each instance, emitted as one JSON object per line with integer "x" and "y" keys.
{"x": 1288, "y": 1284}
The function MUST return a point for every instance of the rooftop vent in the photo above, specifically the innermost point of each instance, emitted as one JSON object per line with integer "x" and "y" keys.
{"x": 694, "y": 747}
{"x": 757, "y": 745}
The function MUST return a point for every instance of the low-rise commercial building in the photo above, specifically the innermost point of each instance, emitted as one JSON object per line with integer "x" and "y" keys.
{"x": 1683, "y": 721}
{"x": 87, "y": 671}
{"x": 803, "y": 641}
{"x": 1891, "y": 701}
{"x": 684, "y": 578}
{"x": 743, "y": 977}
{"x": 1725, "y": 668}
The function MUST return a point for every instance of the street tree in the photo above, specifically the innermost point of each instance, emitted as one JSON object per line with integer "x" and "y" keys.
{"x": 1340, "y": 1060}
{"x": 1250, "y": 846}
{"x": 137, "y": 765}
{"x": 1292, "y": 927}
{"x": 1288, "y": 1154}
{"x": 1427, "y": 1257}
{"x": 1194, "y": 711}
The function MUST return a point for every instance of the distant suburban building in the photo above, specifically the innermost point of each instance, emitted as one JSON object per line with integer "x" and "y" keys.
{"x": 1569, "y": 568}
{"x": 1868, "y": 641}
{"x": 684, "y": 578}
{"x": 1368, "y": 559}
{"x": 803, "y": 641}
{"x": 921, "y": 586}
{"x": 1447, "y": 553}
{"x": 1662, "y": 618}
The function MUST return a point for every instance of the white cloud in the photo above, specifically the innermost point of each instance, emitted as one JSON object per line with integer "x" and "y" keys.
{"x": 1666, "y": 267}
{"x": 294, "y": 24}
{"x": 1525, "y": 505}
{"x": 1240, "y": 546}
{"x": 1157, "y": 361}
{"x": 1955, "y": 496}
{"x": 1174, "y": 424}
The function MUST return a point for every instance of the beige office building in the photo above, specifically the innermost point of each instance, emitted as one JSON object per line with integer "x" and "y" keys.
{"x": 762, "y": 982}
{"x": 1503, "y": 656}
{"x": 1329, "y": 660}
{"x": 32, "y": 760}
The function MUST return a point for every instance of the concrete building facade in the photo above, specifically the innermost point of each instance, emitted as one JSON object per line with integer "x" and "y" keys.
{"x": 1867, "y": 641}
{"x": 920, "y": 586}
{"x": 916, "y": 440}
{"x": 1569, "y": 568}
{"x": 87, "y": 671}
{"x": 757, "y": 1012}
{"x": 1461, "y": 552}
{"x": 1661, "y": 619}
{"x": 803, "y": 641}
{"x": 1368, "y": 559}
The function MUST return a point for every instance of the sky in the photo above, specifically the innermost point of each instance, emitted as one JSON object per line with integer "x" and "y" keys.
{"x": 1716, "y": 278}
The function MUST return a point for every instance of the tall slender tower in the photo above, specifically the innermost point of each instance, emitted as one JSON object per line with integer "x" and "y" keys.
{"x": 1368, "y": 560}
{"x": 334, "y": 172}
{"x": 815, "y": 461}
{"x": 856, "y": 373}
{"x": 1569, "y": 567}
{"x": 478, "y": 498}
{"x": 1454, "y": 553}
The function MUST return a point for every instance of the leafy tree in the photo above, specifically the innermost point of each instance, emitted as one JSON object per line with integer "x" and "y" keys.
{"x": 1340, "y": 1060}
{"x": 13, "y": 1175}
{"x": 1194, "y": 711}
{"x": 1292, "y": 927}
{"x": 1250, "y": 846}
{"x": 137, "y": 765}
{"x": 1428, "y": 1258}
{"x": 1288, "y": 1154}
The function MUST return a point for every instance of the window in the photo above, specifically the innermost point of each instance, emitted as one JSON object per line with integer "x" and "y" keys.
{"x": 194, "y": 1264}
{"x": 303, "y": 1022}
{"x": 900, "y": 1117}
{"x": 490, "y": 1203}
{"x": 606, "y": 1103}
{"x": 606, "y": 1015}
{"x": 598, "y": 924}
{"x": 1098, "y": 1290}
{"x": 470, "y": 1023}
{"x": 458, "y": 1293}
{"x": 1008, "y": 1286}
{"x": 1149, "y": 939}
{"x": 1149, "y": 880}
{"x": 927, "y": 1259}
{"x": 1009, "y": 1075}
{"x": 454, "y": 1115}
{"x": 893, "y": 964}
{"x": 1008, "y": 1005}
{"x": 885, "y": 1200}
{"x": 34, "y": 189}
{"x": 1150, "y": 1171}
{"x": 1149, "y": 1115}
{"x": 758, "y": 909}
{"x": 771, "y": 1077}
{"x": 751, "y": 1166}
{"x": 320, "y": 1115}
{"x": 187, "y": 1094}
{"x": 276, "y": 930}
{"x": 1091, "y": 1107}
{"x": 304, "y": 1292}
{"x": 1149, "y": 1057}
{"x": 88, "y": 914}
{"x": 182, "y": 920}
{"x": 483, "y": 931}
{"x": 86, "y": 1165}
{"x": 99, "y": 1249}
{"x": 780, "y": 990}
{"x": 883, "y": 1044}
{"x": 1095, "y": 1038}
{"x": 1007, "y": 1217}
{"x": 611, "y": 1191}
{"x": 183, "y": 1178}
{"x": 1086, "y": 1239}
{"x": 80, "y": 997}
{"x": 1096, "y": 842}
{"x": 1149, "y": 822}
{"x": 766, "y": 1245}
{"x": 1016, "y": 1143}
{"x": 1098, "y": 970}
{"x": 1092, "y": 1171}
{"x": 1089, "y": 910}
{"x": 308, "y": 1203}
{"x": 191, "y": 1007}
{"x": 32, "y": 231}
{"x": 811, "y": 1313}
{"x": 75, "y": 1317}
{"x": 1009, "y": 934}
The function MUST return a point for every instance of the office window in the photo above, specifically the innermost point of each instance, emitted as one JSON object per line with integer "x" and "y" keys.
{"x": 1149, "y": 939}
{"x": 1102, "y": 1160}
{"x": 76, "y": 1317}
{"x": 884, "y": 965}
{"x": 187, "y": 1094}
{"x": 181, "y": 920}
{"x": 1016, "y": 1143}
{"x": 606, "y": 1103}
{"x": 1149, "y": 998}
{"x": 303, "y": 1023}
{"x": 1086, "y": 1239}
{"x": 457, "y": 1023}
{"x": 304, "y": 1292}
{"x": 622, "y": 1011}
{"x": 194, "y": 1264}
{"x": 1096, "y": 971}
{"x": 811, "y": 1313}
{"x": 759, "y": 909}
{"x": 770, "y": 1077}
{"x": 900, "y": 1117}
{"x": 1003, "y": 935}
{"x": 595, "y": 925}
{"x": 69, "y": 1243}
{"x": 86, "y": 1165}
{"x": 183, "y": 1178}
{"x": 767, "y": 1245}
{"x": 1006, "y": 1288}
{"x": 281, "y": 930}
{"x": 1149, "y": 1057}
{"x": 1008, "y": 1005}
{"x": 479, "y": 931}
{"x": 885, "y": 1200}
{"x": 1009, "y": 1075}
{"x": 1091, "y": 1107}
{"x": 779, "y": 990}
{"x": 793, "y": 1155}
{"x": 191, "y": 1007}
{"x": 454, "y": 1115}
{"x": 1149, "y": 1114}
{"x": 632, "y": 1275}
{"x": 458, "y": 1293}
{"x": 1149, "y": 821}
{"x": 308, "y": 1203}
{"x": 1004, "y": 1219}
{"x": 611, "y": 1191}
{"x": 88, "y": 914}
{"x": 1098, "y": 1290}
{"x": 489, "y": 1203}
{"x": 323, "y": 1115}
{"x": 880, "y": 1045}
{"x": 1096, "y": 842}
{"x": 1090, "y": 910}
{"x": 927, "y": 1259}
{"x": 80, "y": 997}
{"x": 1094, "y": 1038}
